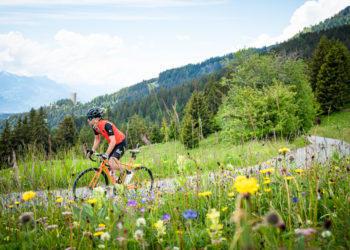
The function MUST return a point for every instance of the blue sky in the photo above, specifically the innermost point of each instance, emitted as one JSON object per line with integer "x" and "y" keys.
{"x": 100, "y": 46}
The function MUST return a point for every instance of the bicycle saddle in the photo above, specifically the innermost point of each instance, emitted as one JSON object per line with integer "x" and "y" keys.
{"x": 134, "y": 151}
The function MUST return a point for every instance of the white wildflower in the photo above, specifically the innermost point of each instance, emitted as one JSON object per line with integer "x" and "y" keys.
{"x": 138, "y": 235}
{"x": 326, "y": 234}
{"x": 105, "y": 236}
{"x": 141, "y": 222}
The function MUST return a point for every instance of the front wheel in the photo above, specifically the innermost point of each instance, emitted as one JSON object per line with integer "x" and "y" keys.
{"x": 142, "y": 179}
{"x": 85, "y": 182}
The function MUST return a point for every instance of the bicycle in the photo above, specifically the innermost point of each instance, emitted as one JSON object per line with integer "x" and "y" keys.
{"x": 100, "y": 177}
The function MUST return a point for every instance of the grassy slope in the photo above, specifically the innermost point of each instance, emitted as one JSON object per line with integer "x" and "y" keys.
{"x": 168, "y": 159}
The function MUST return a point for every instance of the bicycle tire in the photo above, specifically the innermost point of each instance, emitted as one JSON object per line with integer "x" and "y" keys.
{"x": 144, "y": 175}
{"x": 83, "y": 180}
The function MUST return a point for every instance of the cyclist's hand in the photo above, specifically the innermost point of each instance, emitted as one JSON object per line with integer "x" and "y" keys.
{"x": 89, "y": 152}
{"x": 103, "y": 157}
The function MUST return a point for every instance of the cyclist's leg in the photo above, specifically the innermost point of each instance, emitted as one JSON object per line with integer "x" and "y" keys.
{"x": 116, "y": 154}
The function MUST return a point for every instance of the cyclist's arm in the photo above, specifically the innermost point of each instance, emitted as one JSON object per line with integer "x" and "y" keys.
{"x": 111, "y": 145}
{"x": 96, "y": 142}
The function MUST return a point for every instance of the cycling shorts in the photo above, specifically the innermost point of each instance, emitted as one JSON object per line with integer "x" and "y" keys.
{"x": 119, "y": 150}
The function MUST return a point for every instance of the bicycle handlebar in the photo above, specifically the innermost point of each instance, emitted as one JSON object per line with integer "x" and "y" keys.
{"x": 97, "y": 154}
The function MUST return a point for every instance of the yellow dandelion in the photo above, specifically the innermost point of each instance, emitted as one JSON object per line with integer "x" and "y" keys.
{"x": 267, "y": 170}
{"x": 101, "y": 225}
{"x": 136, "y": 165}
{"x": 98, "y": 233}
{"x": 266, "y": 178}
{"x": 207, "y": 193}
{"x": 11, "y": 206}
{"x": 224, "y": 209}
{"x": 268, "y": 162}
{"x": 299, "y": 170}
{"x": 267, "y": 182}
{"x": 267, "y": 190}
{"x": 92, "y": 201}
{"x": 231, "y": 195}
{"x": 59, "y": 200}
{"x": 28, "y": 195}
{"x": 70, "y": 201}
{"x": 289, "y": 178}
{"x": 16, "y": 202}
{"x": 284, "y": 150}
{"x": 245, "y": 185}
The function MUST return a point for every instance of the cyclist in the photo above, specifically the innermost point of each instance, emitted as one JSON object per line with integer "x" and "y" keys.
{"x": 116, "y": 139}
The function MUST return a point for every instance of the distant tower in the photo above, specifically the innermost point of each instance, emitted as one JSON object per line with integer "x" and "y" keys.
{"x": 73, "y": 97}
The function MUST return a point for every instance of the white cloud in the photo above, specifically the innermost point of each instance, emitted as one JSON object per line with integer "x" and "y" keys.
{"x": 310, "y": 13}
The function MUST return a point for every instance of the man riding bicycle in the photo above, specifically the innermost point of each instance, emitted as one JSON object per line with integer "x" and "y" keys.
{"x": 116, "y": 139}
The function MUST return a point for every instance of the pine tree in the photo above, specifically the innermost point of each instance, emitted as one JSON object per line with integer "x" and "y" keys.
{"x": 155, "y": 136}
{"x": 5, "y": 143}
{"x": 333, "y": 79}
{"x": 164, "y": 130}
{"x": 33, "y": 124}
{"x": 41, "y": 131}
{"x": 137, "y": 128}
{"x": 67, "y": 134}
{"x": 173, "y": 129}
{"x": 317, "y": 60}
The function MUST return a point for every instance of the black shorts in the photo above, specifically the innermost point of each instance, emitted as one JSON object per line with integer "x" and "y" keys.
{"x": 118, "y": 150}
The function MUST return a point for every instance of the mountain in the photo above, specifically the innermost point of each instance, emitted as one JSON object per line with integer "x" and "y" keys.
{"x": 340, "y": 19}
{"x": 303, "y": 44}
{"x": 20, "y": 92}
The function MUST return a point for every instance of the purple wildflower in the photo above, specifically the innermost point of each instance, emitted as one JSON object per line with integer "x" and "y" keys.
{"x": 295, "y": 199}
{"x": 189, "y": 214}
{"x": 132, "y": 203}
{"x": 166, "y": 216}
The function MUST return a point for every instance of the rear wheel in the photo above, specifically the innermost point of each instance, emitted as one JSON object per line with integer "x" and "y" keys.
{"x": 81, "y": 184}
{"x": 141, "y": 180}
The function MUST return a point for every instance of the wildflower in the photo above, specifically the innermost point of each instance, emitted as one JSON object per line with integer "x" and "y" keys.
{"x": 76, "y": 224}
{"x": 273, "y": 218}
{"x": 59, "y": 200}
{"x": 284, "y": 150}
{"x": 141, "y": 222}
{"x": 267, "y": 182}
{"x": 224, "y": 209}
{"x": 105, "y": 236}
{"x": 268, "y": 162}
{"x": 176, "y": 248}
{"x": 214, "y": 216}
{"x": 26, "y": 217}
{"x": 189, "y": 214}
{"x": 101, "y": 225}
{"x": 166, "y": 216}
{"x": 98, "y": 233}
{"x": 299, "y": 170}
{"x": 295, "y": 199}
{"x": 132, "y": 203}
{"x": 231, "y": 195}
{"x": 207, "y": 193}
{"x": 306, "y": 231}
{"x": 326, "y": 234}
{"x": 66, "y": 213}
{"x": 309, "y": 222}
{"x": 101, "y": 246}
{"x": 51, "y": 227}
{"x": 70, "y": 201}
{"x": 16, "y": 202}
{"x": 11, "y": 206}
{"x": 92, "y": 201}
{"x": 245, "y": 185}
{"x": 28, "y": 195}
{"x": 267, "y": 170}
{"x": 267, "y": 190}
{"x": 138, "y": 235}
{"x": 289, "y": 178}
{"x": 160, "y": 228}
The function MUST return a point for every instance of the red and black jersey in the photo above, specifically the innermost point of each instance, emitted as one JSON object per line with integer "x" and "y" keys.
{"x": 107, "y": 129}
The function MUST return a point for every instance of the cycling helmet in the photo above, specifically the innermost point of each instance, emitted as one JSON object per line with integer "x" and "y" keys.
{"x": 94, "y": 112}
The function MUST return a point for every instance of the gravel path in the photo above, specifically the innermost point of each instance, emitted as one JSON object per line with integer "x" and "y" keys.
{"x": 320, "y": 150}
